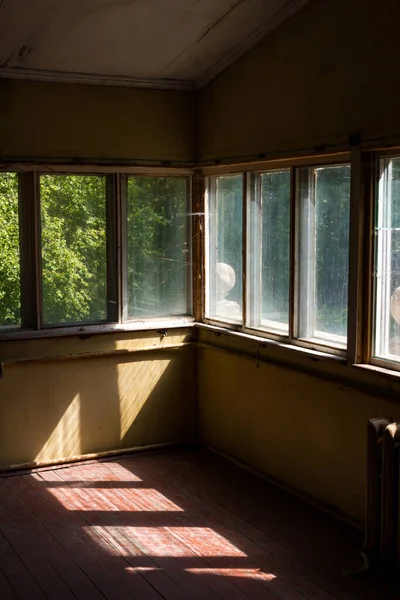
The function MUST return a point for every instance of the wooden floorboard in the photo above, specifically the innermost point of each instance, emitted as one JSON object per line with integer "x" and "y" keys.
{"x": 179, "y": 524}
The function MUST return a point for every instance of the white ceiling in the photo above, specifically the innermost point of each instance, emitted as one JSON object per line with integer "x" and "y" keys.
{"x": 152, "y": 43}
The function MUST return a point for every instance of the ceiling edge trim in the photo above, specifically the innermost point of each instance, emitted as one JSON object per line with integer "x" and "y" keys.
{"x": 90, "y": 79}
{"x": 287, "y": 11}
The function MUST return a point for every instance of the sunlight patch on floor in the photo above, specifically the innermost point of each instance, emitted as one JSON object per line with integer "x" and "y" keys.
{"x": 235, "y": 572}
{"x": 206, "y": 542}
{"x": 107, "y": 499}
{"x": 156, "y": 541}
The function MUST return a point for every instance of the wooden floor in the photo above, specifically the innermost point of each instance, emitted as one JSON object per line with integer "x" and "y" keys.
{"x": 179, "y": 524}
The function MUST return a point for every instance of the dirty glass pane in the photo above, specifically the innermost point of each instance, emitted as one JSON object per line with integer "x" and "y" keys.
{"x": 10, "y": 293}
{"x": 157, "y": 262}
{"x": 224, "y": 248}
{"x": 269, "y": 250}
{"x": 324, "y": 253}
{"x": 387, "y": 262}
{"x": 74, "y": 261}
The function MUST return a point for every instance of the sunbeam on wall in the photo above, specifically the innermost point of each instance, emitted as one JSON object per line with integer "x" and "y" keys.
{"x": 65, "y": 438}
{"x": 146, "y": 376}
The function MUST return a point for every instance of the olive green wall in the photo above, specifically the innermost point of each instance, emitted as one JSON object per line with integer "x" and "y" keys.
{"x": 49, "y": 120}
{"x": 329, "y": 71}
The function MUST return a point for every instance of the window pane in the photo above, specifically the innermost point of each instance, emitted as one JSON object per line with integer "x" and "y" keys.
{"x": 269, "y": 250}
{"x": 224, "y": 272}
{"x": 387, "y": 259}
{"x": 158, "y": 249}
{"x": 323, "y": 257}
{"x": 10, "y": 294}
{"x": 74, "y": 262}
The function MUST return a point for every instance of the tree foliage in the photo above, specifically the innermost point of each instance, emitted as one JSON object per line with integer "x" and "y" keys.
{"x": 74, "y": 247}
{"x": 74, "y": 265}
{"x": 10, "y": 313}
{"x": 157, "y": 246}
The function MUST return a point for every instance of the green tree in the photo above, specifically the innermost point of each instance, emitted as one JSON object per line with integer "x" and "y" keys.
{"x": 157, "y": 246}
{"x": 10, "y": 313}
{"x": 74, "y": 265}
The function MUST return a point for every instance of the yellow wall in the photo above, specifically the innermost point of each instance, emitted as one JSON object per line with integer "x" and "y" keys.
{"x": 329, "y": 71}
{"x": 48, "y": 120}
{"x": 70, "y": 396}
{"x": 294, "y": 419}
{"x": 65, "y": 397}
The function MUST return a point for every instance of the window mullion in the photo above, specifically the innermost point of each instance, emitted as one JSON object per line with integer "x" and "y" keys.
{"x": 356, "y": 257}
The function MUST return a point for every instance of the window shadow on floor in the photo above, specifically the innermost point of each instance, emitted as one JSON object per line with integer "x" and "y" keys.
{"x": 177, "y": 524}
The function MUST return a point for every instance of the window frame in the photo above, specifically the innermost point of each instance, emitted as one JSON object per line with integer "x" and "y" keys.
{"x": 253, "y": 182}
{"x": 210, "y": 255}
{"x": 32, "y": 326}
{"x": 290, "y": 340}
{"x": 303, "y": 317}
{"x": 123, "y": 183}
{"x": 364, "y": 164}
{"x": 377, "y": 157}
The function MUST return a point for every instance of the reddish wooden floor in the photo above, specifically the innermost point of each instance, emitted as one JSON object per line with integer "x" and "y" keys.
{"x": 180, "y": 524}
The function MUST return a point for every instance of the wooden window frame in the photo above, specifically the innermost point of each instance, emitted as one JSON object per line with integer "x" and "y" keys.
{"x": 32, "y": 326}
{"x": 292, "y": 339}
{"x": 123, "y": 254}
{"x": 376, "y": 156}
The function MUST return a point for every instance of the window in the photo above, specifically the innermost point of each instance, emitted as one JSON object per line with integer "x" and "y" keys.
{"x": 224, "y": 257}
{"x": 80, "y": 248}
{"x": 74, "y": 258}
{"x": 157, "y": 236}
{"x": 297, "y": 252}
{"x": 269, "y": 250}
{"x": 387, "y": 262}
{"x": 10, "y": 302}
{"x": 323, "y": 253}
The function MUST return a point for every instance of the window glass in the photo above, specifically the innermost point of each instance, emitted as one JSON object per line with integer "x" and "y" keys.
{"x": 224, "y": 248}
{"x": 387, "y": 262}
{"x": 157, "y": 261}
{"x": 269, "y": 250}
{"x": 74, "y": 261}
{"x": 10, "y": 293}
{"x": 324, "y": 205}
